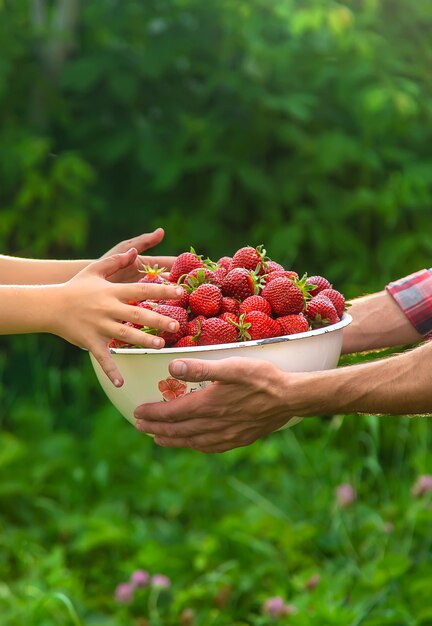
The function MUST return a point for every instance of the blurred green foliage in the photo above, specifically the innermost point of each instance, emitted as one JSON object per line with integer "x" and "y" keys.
{"x": 304, "y": 125}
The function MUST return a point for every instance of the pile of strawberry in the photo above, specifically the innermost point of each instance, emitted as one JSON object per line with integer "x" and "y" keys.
{"x": 244, "y": 297}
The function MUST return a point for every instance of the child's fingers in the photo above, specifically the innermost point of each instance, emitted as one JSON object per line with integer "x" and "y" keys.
{"x": 109, "y": 265}
{"x": 145, "y": 317}
{"x": 103, "y": 356}
{"x": 148, "y": 291}
{"x": 134, "y": 337}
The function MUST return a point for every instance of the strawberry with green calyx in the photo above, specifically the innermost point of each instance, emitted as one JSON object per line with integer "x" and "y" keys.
{"x": 193, "y": 334}
{"x": 184, "y": 263}
{"x": 229, "y": 317}
{"x": 194, "y": 325}
{"x": 255, "y": 303}
{"x": 320, "y": 311}
{"x": 240, "y": 283}
{"x": 196, "y": 277}
{"x": 250, "y": 258}
{"x": 188, "y": 341}
{"x": 255, "y": 325}
{"x": 284, "y": 296}
{"x": 152, "y": 274}
{"x": 337, "y": 298}
{"x": 216, "y": 331}
{"x": 317, "y": 284}
{"x": 292, "y": 324}
{"x": 206, "y": 300}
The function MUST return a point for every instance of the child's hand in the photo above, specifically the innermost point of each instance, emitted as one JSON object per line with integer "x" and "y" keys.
{"x": 88, "y": 310}
{"x": 141, "y": 243}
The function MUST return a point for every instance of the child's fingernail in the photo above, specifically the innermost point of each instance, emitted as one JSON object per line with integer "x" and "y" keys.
{"x": 179, "y": 291}
{"x": 117, "y": 382}
{"x": 158, "y": 343}
{"x": 172, "y": 326}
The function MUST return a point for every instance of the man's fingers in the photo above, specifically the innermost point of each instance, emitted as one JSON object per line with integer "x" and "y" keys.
{"x": 181, "y": 430}
{"x": 196, "y": 370}
{"x": 105, "y": 360}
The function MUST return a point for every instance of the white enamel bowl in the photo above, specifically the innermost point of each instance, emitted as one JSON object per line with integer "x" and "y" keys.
{"x": 147, "y": 379}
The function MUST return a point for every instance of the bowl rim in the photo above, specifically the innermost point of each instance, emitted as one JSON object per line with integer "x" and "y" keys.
{"x": 343, "y": 322}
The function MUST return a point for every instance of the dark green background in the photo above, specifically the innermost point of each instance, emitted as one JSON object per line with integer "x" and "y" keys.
{"x": 302, "y": 125}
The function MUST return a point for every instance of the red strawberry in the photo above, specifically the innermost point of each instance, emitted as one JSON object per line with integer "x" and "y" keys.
{"x": 182, "y": 301}
{"x": 194, "y": 326}
{"x": 198, "y": 276}
{"x": 240, "y": 283}
{"x": 219, "y": 275}
{"x": 184, "y": 263}
{"x": 227, "y": 316}
{"x": 337, "y": 298}
{"x": 152, "y": 274}
{"x": 291, "y": 324}
{"x": 215, "y": 331}
{"x": 284, "y": 296}
{"x": 188, "y": 341}
{"x": 255, "y": 303}
{"x": 249, "y": 258}
{"x": 205, "y": 300}
{"x": 146, "y": 304}
{"x": 225, "y": 261}
{"x": 293, "y": 276}
{"x": 176, "y": 313}
{"x": 257, "y": 325}
{"x": 230, "y": 305}
{"x": 272, "y": 266}
{"x": 321, "y": 311}
{"x": 319, "y": 283}
{"x": 117, "y": 343}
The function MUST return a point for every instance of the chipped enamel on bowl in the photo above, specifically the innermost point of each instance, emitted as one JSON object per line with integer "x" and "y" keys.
{"x": 147, "y": 378}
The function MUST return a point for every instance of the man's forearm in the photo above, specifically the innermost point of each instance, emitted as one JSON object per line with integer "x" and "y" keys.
{"x": 19, "y": 271}
{"x": 378, "y": 322}
{"x": 397, "y": 385}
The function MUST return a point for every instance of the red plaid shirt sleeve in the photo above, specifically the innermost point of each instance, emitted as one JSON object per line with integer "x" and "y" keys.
{"x": 413, "y": 294}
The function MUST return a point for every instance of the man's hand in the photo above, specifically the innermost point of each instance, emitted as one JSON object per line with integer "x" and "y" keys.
{"x": 246, "y": 401}
{"x": 142, "y": 243}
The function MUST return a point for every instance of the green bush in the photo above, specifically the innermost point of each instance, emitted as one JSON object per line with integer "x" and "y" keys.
{"x": 301, "y": 124}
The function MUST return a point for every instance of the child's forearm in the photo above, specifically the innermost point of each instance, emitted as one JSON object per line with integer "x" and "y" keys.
{"x": 27, "y": 309}
{"x": 19, "y": 271}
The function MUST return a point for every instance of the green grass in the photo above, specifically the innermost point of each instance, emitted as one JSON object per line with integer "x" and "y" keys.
{"x": 85, "y": 500}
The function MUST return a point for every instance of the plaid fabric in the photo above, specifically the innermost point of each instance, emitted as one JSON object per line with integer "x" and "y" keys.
{"x": 413, "y": 294}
